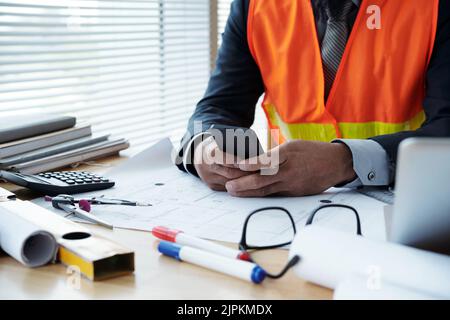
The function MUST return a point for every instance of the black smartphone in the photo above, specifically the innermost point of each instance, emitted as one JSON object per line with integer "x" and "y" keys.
{"x": 239, "y": 141}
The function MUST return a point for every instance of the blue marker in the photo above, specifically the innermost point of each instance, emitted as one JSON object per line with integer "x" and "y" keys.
{"x": 238, "y": 268}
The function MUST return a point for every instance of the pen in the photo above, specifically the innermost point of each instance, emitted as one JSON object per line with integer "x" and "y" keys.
{"x": 96, "y": 200}
{"x": 241, "y": 269}
{"x": 181, "y": 238}
{"x": 121, "y": 202}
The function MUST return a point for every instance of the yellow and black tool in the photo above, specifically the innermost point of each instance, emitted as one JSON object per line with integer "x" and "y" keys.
{"x": 96, "y": 257}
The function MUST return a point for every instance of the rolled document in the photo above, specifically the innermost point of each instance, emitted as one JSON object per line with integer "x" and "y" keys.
{"x": 357, "y": 287}
{"x": 96, "y": 257}
{"x": 328, "y": 257}
{"x": 24, "y": 241}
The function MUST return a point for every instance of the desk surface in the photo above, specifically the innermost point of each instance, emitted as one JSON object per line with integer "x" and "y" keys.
{"x": 156, "y": 276}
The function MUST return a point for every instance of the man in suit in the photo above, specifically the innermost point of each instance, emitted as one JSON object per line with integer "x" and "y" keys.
{"x": 345, "y": 81}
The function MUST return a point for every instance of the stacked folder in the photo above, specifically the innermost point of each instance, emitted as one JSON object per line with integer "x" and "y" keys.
{"x": 41, "y": 142}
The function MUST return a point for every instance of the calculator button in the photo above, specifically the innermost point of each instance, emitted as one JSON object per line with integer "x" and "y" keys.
{"x": 87, "y": 180}
{"x": 70, "y": 182}
{"x": 96, "y": 180}
{"x": 104, "y": 180}
{"x": 79, "y": 181}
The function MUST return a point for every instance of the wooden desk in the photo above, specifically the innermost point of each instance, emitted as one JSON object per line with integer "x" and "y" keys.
{"x": 156, "y": 276}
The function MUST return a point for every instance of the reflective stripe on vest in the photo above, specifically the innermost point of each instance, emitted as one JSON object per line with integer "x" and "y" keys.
{"x": 327, "y": 132}
{"x": 380, "y": 85}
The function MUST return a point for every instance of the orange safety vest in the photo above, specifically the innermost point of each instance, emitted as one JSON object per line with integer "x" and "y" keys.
{"x": 379, "y": 87}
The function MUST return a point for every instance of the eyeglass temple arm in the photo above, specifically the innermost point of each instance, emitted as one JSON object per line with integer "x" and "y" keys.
{"x": 358, "y": 221}
{"x": 295, "y": 259}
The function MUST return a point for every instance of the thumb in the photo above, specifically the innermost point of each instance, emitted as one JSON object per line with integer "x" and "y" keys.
{"x": 271, "y": 159}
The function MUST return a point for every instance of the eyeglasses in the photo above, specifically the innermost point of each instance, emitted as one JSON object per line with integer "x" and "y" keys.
{"x": 274, "y": 227}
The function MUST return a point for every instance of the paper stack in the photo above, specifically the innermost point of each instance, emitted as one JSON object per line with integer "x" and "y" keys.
{"x": 40, "y": 142}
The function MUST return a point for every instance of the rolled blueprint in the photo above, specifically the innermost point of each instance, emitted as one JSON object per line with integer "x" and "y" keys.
{"x": 24, "y": 241}
{"x": 22, "y": 236}
{"x": 328, "y": 257}
{"x": 357, "y": 287}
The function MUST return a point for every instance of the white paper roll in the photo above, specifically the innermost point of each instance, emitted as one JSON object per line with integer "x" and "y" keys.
{"x": 24, "y": 241}
{"x": 329, "y": 256}
{"x": 356, "y": 287}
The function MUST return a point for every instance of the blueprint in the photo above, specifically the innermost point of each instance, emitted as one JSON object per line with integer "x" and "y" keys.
{"x": 182, "y": 201}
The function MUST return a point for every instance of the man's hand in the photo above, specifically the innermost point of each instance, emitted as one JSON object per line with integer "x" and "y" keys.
{"x": 215, "y": 167}
{"x": 304, "y": 168}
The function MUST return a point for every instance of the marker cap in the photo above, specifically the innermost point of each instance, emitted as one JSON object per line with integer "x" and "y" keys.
{"x": 169, "y": 249}
{"x": 258, "y": 274}
{"x": 164, "y": 233}
{"x": 244, "y": 256}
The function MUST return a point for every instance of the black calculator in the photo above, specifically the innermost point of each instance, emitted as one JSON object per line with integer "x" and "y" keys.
{"x": 62, "y": 182}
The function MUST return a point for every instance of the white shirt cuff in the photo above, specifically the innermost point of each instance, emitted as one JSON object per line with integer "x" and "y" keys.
{"x": 187, "y": 156}
{"x": 370, "y": 162}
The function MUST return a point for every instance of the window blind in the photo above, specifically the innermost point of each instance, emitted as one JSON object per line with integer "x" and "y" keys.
{"x": 131, "y": 68}
{"x": 223, "y": 11}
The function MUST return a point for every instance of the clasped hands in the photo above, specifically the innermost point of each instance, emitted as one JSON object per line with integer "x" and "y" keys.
{"x": 294, "y": 168}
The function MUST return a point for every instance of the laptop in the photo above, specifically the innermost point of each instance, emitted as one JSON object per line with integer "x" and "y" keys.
{"x": 421, "y": 211}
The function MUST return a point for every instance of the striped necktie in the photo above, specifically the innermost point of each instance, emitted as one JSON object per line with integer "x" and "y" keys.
{"x": 334, "y": 41}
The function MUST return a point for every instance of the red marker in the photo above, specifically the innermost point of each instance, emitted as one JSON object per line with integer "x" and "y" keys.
{"x": 181, "y": 238}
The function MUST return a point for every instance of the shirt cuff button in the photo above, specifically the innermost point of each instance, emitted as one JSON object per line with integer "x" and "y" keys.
{"x": 371, "y": 176}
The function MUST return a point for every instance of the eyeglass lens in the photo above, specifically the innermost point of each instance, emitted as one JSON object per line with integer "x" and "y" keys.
{"x": 266, "y": 229}
{"x": 269, "y": 228}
